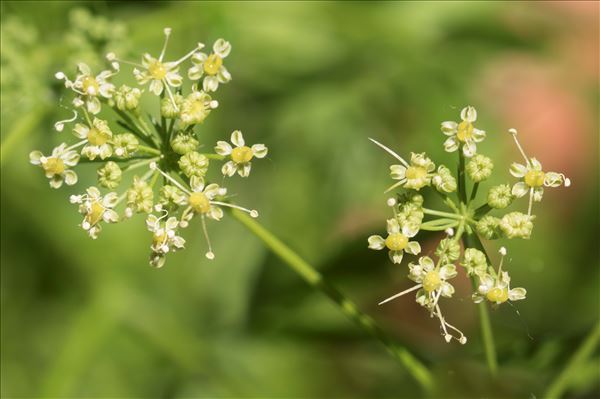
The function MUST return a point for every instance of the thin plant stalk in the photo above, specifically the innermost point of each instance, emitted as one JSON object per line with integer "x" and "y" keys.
{"x": 309, "y": 274}
{"x": 564, "y": 380}
{"x": 487, "y": 335}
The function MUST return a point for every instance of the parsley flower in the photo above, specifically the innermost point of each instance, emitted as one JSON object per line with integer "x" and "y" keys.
{"x": 463, "y": 134}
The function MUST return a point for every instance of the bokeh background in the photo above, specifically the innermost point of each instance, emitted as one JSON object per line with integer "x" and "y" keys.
{"x": 312, "y": 80}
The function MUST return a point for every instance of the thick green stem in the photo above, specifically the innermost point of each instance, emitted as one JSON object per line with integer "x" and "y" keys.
{"x": 566, "y": 377}
{"x": 474, "y": 192}
{"x": 440, "y": 213}
{"x": 414, "y": 366}
{"x": 472, "y": 241}
{"x": 462, "y": 188}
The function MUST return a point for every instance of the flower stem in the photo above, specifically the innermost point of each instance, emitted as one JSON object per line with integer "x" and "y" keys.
{"x": 149, "y": 150}
{"x": 564, "y": 379}
{"x": 474, "y": 192}
{"x": 309, "y": 274}
{"x": 440, "y": 213}
{"x": 462, "y": 188}
{"x": 472, "y": 241}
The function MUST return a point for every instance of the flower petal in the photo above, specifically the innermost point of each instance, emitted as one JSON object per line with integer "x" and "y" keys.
{"x": 223, "y": 148}
{"x": 520, "y": 189}
{"x": 413, "y": 247}
{"x": 516, "y": 294}
{"x": 451, "y": 144}
{"x": 237, "y": 138}
{"x": 449, "y": 128}
{"x": 396, "y": 256}
{"x": 468, "y": 114}
{"x": 259, "y": 150}
{"x": 518, "y": 170}
{"x": 398, "y": 172}
{"x": 376, "y": 242}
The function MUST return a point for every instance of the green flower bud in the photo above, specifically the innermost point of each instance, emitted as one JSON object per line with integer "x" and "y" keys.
{"x": 193, "y": 164}
{"x": 475, "y": 262}
{"x": 410, "y": 211}
{"x": 125, "y": 145}
{"x": 489, "y": 227}
{"x": 443, "y": 180}
{"x": 479, "y": 168}
{"x": 196, "y": 107}
{"x": 499, "y": 197}
{"x": 127, "y": 98}
{"x": 517, "y": 225}
{"x": 184, "y": 143}
{"x": 167, "y": 109}
{"x": 448, "y": 249}
{"x": 171, "y": 194}
{"x": 109, "y": 175}
{"x": 140, "y": 196}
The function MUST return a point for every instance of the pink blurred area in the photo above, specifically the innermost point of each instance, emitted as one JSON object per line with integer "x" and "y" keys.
{"x": 550, "y": 96}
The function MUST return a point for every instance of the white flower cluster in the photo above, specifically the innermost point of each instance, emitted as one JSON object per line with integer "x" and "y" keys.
{"x": 171, "y": 174}
{"x": 464, "y": 220}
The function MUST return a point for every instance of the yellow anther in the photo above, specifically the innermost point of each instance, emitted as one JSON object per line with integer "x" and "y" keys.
{"x": 90, "y": 83}
{"x": 54, "y": 165}
{"x": 465, "y": 131}
{"x": 432, "y": 281}
{"x": 212, "y": 64}
{"x": 157, "y": 70}
{"x": 497, "y": 295}
{"x": 199, "y": 202}
{"x": 534, "y": 178}
{"x": 95, "y": 214}
{"x": 241, "y": 154}
{"x": 415, "y": 172}
{"x": 396, "y": 241}
{"x": 97, "y": 137}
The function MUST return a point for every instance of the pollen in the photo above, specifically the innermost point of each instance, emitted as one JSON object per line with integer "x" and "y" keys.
{"x": 465, "y": 131}
{"x": 212, "y": 64}
{"x": 415, "y": 172}
{"x": 199, "y": 202}
{"x": 497, "y": 295}
{"x": 534, "y": 178}
{"x": 396, "y": 242}
{"x": 95, "y": 214}
{"x": 157, "y": 70}
{"x": 54, "y": 165}
{"x": 90, "y": 85}
{"x": 97, "y": 137}
{"x": 432, "y": 281}
{"x": 242, "y": 154}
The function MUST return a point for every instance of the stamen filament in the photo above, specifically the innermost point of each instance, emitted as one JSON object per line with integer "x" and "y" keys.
{"x": 164, "y": 49}
{"x": 154, "y": 166}
{"x": 513, "y": 132}
{"x": 416, "y": 287}
{"x": 392, "y": 153}
{"x": 252, "y": 212}
{"x": 210, "y": 254}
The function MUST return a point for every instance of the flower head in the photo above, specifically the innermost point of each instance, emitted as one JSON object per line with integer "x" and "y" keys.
{"x": 212, "y": 66}
{"x": 97, "y": 138}
{"x": 533, "y": 178}
{"x": 56, "y": 166}
{"x": 240, "y": 155}
{"x": 495, "y": 286}
{"x": 397, "y": 241}
{"x": 96, "y": 209}
{"x": 164, "y": 238}
{"x": 479, "y": 168}
{"x": 463, "y": 134}
{"x": 89, "y": 87}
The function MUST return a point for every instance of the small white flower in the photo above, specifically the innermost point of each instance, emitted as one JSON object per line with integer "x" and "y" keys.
{"x": 240, "y": 155}
{"x": 397, "y": 241}
{"x": 96, "y": 209}
{"x": 212, "y": 66}
{"x": 496, "y": 289}
{"x": 432, "y": 284}
{"x": 90, "y": 87}
{"x": 56, "y": 166}
{"x": 164, "y": 238}
{"x": 97, "y": 138}
{"x": 463, "y": 134}
{"x": 533, "y": 178}
{"x": 162, "y": 75}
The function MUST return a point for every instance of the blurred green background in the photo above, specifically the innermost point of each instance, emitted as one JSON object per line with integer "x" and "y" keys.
{"x": 312, "y": 80}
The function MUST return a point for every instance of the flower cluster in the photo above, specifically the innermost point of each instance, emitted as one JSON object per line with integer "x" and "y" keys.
{"x": 465, "y": 220}
{"x": 170, "y": 180}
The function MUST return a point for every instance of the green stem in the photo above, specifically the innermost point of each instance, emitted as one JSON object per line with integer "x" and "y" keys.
{"x": 414, "y": 366}
{"x": 474, "y": 192}
{"x": 214, "y": 156}
{"x": 439, "y": 224}
{"x": 565, "y": 378}
{"x": 482, "y": 210}
{"x": 149, "y": 150}
{"x": 440, "y": 213}
{"x": 462, "y": 189}
{"x": 472, "y": 241}
{"x": 23, "y": 126}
